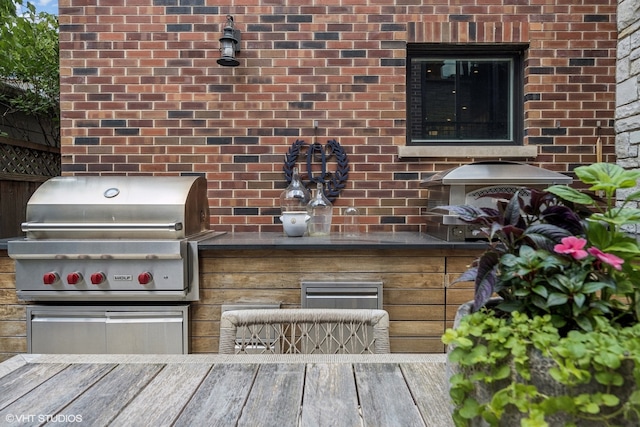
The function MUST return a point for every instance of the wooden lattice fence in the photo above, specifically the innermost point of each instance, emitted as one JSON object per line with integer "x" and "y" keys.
{"x": 23, "y": 167}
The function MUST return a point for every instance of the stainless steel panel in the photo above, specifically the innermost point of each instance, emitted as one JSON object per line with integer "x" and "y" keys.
{"x": 359, "y": 295}
{"x": 108, "y": 329}
{"x": 497, "y": 172}
{"x": 160, "y": 332}
{"x": 52, "y": 331}
{"x": 172, "y": 264}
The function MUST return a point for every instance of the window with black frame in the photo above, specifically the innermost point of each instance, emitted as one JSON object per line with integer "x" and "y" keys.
{"x": 464, "y": 95}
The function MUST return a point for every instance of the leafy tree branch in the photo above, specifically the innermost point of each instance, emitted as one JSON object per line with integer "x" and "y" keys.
{"x": 29, "y": 67}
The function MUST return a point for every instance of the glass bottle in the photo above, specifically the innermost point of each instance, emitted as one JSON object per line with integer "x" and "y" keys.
{"x": 296, "y": 196}
{"x": 320, "y": 210}
{"x": 351, "y": 222}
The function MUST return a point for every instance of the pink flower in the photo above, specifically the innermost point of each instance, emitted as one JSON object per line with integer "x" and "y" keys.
{"x": 610, "y": 259}
{"x": 572, "y": 246}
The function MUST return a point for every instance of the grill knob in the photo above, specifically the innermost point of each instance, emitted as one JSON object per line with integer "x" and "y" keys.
{"x": 74, "y": 278}
{"x": 98, "y": 278}
{"x": 145, "y": 278}
{"x": 50, "y": 278}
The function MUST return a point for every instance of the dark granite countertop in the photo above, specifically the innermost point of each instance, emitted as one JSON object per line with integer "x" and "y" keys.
{"x": 400, "y": 240}
{"x": 3, "y": 242}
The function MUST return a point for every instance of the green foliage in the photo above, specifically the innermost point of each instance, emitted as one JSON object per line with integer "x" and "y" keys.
{"x": 568, "y": 275}
{"x": 540, "y": 283}
{"x": 562, "y": 252}
{"x": 605, "y": 227}
{"x": 495, "y": 353}
{"x": 29, "y": 65}
{"x": 7, "y": 10}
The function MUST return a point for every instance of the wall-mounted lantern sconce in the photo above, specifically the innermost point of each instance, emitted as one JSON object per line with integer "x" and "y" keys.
{"x": 229, "y": 44}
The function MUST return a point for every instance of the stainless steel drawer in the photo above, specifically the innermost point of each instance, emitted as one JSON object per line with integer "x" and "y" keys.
{"x": 363, "y": 295}
{"x": 108, "y": 329}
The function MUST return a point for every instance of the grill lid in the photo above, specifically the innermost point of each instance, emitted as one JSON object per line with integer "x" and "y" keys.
{"x": 107, "y": 207}
{"x": 496, "y": 172}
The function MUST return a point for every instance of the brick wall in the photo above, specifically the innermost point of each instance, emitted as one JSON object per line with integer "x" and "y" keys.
{"x": 141, "y": 92}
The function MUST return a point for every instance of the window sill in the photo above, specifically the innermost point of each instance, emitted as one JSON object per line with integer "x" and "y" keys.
{"x": 492, "y": 151}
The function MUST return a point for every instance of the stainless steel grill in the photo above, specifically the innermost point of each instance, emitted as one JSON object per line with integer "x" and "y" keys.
{"x": 112, "y": 261}
{"x": 112, "y": 238}
{"x": 471, "y": 184}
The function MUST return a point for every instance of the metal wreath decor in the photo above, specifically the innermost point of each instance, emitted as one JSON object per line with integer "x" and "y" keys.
{"x": 333, "y": 182}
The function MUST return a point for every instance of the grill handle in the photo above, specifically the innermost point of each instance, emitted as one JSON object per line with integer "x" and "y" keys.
{"x": 100, "y": 226}
{"x": 101, "y": 257}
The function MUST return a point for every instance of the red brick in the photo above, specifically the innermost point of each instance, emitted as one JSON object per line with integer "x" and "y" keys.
{"x": 275, "y": 95}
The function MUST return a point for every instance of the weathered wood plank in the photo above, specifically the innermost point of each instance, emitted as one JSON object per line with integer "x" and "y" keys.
{"x": 10, "y": 328}
{"x": 459, "y": 296}
{"x": 413, "y": 296}
{"x": 384, "y": 396}
{"x": 276, "y": 396}
{"x": 428, "y": 385}
{"x": 330, "y": 397}
{"x": 267, "y": 279}
{"x": 417, "y": 345}
{"x": 24, "y": 379}
{"x": 106, "y": 398}
{"x": 415, "y": 312}
{"x": 254, "y": 296}
{"x": 14, "y": 345}
{"x": 205, "y": 344}
{"x": 8, "y": 296}
{"x": 205, "y": 329}
{"x": 347, "y": 263}
{"x": 417, "y": 329}
{"x": 7, "y": 265}
{"x": 459, "y": 264}
{"x": 13, "y": 312}
{"x": 162, "y": 400}
{"x": 53, "y": 395}
{"x": 220, "y": 398}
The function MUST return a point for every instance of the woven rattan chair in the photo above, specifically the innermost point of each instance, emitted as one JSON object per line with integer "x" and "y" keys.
{"x": 304, "y": 330}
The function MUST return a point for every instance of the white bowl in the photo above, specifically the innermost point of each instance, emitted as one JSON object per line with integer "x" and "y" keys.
{"x": 294, "y": 223}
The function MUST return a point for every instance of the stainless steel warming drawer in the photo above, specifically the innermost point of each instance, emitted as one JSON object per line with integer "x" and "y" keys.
{"x": 360, "y": 295}
{"x": 108, "y": 329}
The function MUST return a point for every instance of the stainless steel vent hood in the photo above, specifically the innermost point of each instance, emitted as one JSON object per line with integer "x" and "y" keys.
{"x": 496, "y": 173}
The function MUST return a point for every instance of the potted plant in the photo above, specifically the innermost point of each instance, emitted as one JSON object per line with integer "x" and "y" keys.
{"x": 560, "y": 345}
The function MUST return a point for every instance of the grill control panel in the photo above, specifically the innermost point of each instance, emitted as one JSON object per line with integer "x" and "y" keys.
{"x": 97, "y": 278}
{"x": 115, "y": 275}
{"x": 105, "y": 270}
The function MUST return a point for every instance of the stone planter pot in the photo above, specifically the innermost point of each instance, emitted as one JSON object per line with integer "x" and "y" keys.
{"x": 539, "y": 368}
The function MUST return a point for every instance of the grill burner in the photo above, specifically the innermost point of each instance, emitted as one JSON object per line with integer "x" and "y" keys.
{"x": 112, "y": 238}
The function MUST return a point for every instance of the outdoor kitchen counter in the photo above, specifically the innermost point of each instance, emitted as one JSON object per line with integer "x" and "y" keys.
{"x": 417, "y": 274}
{"x": 243, "y": 390}
{"x": 400, "y": 240}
